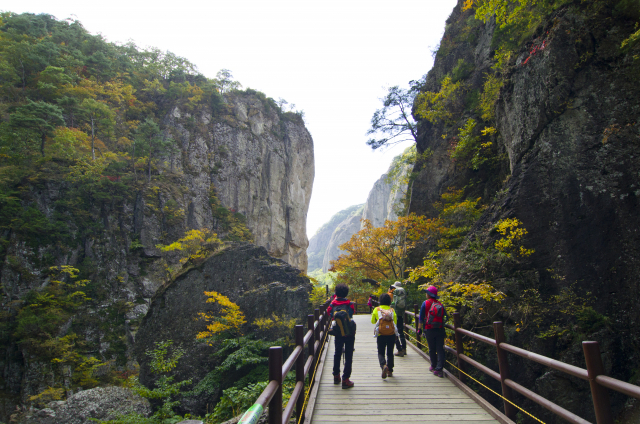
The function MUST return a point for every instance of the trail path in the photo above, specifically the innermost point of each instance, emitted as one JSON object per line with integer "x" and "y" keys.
{"x": 413, "y": 394}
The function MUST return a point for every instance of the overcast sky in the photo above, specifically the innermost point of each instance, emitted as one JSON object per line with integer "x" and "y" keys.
{"x": 332, "y": 59}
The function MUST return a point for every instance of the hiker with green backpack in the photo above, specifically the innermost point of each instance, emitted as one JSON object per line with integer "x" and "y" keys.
{"x": 385, "y": 331}
{"x": 399, "y": 304}
{"x": 341, "y": 311}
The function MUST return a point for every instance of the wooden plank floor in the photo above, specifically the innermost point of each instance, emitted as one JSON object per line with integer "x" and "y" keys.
{"x": 413, "y": 394}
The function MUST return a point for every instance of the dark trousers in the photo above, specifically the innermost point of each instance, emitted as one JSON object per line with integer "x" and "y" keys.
{"x": 386, "y": 343}
{"x": 435, "y": 340}
{"x": 401, "y": 342}
{"x": 343, "y": 344}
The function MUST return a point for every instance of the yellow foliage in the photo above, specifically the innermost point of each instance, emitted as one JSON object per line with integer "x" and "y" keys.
{"x": 512, "y": 233}
{"x": 468, "y": 4}
{"x": 229, "y": 319}
{"x": 193, "y": 245}
{"x": 49, "y": 394}
{"x": 275, "y": 322}
{"x": 454, "y": 294}
{"x": 440, "y": 106}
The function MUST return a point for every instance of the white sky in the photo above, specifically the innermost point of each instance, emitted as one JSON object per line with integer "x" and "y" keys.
{"x": 332, "y": 59}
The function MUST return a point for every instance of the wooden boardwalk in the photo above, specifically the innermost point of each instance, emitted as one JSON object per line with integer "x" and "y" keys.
{"x": 413, "y": 394}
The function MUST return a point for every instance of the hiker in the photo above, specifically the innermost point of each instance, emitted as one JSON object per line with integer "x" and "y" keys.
{"x": 399, "y": 305}
{"x": 385, "y": 319}
{"x": 432, "y": 318}
{"x": 343, "y": 342}
{"x": 390, "y": 291}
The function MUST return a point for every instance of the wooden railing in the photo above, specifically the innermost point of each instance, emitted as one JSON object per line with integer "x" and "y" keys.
{"x": 594, "y": 373}
{"x": 317, "y": 327}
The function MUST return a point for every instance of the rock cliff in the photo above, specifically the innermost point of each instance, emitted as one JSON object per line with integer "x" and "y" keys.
{"x": 567, "y": 167}
{"x": 249, "y": 277}
{"x": 249, "y": 162}
{"x": 260, "y": 164}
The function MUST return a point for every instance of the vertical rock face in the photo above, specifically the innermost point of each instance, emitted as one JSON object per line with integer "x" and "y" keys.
{"x": 383, "y": 200}
{"x": 567, "y": 116}
{"x": 341, "y": 234}
{"x": 382, "y": 204}
{"x": 260, "y": 164}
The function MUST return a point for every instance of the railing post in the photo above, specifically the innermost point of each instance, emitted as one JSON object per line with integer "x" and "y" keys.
{"x": 503, "y": 363}
{"x": 327, "y": 287}
{"x": 316, "y": 317}
{"x": 457, "y": 323}
{"x": 299, "y": 335}
{"x": 312, "y": 339}
{"x": 416, "y": 310}
{"x": 599, "y": 394}
{"x": 275, "y": 373}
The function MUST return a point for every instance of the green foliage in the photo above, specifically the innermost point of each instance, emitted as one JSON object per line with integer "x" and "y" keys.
{"x": 235, "y": 400}
{"x": 443, "y": 105}
{"x": 461, "y": 71}
{"x": 469, "y": 150}
{"x": 492, "y": 86}
{"x": 243, "y": 360}
{"x": 162, "y": 362}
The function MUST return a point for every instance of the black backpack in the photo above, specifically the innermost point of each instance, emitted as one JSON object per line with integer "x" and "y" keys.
{"x": 343, "y": 325}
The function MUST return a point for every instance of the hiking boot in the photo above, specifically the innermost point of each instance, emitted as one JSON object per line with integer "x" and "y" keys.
{"x": 389, "y": 374}
{"x": 399, "y": 353}
{"x": 336, "y": 379}
{"x": 346, "y": 383}
{"x": 431, "y": 369}
{"x": 385, "y": 371}
{"x": 438, "y": 373}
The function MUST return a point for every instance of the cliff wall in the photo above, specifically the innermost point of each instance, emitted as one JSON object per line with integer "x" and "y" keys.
{"x": 246, "y": 163}
{"x": 566, "y": 164}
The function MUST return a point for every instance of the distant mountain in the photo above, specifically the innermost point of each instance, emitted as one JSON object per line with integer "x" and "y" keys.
{"x": 318, "y": 243}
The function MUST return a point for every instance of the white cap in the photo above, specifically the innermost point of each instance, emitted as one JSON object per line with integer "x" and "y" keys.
{"x": 397, "y": 284}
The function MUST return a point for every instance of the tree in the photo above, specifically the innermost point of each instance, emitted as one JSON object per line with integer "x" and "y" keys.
{"x": 37, "y": 117}
{"x": 394, "y": 121}
{"x": 224, "y": 81}
{"x": 100, "y": 116}
{"x": 381, "y": 253}
{"x": 151, "y": 142}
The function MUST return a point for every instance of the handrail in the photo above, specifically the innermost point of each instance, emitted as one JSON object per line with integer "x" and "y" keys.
{"x": 552, "y": 363}
{"x": 317, "y": 327}
{"x": 594, "y": 373}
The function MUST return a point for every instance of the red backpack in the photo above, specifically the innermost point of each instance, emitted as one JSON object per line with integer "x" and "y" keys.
{"x": 436, "y": 315}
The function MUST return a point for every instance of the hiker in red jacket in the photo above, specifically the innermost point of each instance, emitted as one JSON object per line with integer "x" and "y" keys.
{"x": 342, "y": 343}
{"x": 432, "y": 318}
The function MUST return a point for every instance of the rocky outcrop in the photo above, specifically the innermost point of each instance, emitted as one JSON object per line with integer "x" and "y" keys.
{"x": 248, "y": 276}
{"x": 89, "y": 406}
{"x": 260, "y": 164}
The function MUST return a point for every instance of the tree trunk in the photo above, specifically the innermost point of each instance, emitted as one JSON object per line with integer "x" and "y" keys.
{"x": 44, "y": 136}
{"x": 93, "y": 151}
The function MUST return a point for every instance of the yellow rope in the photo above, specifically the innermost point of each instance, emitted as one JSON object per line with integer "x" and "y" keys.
{"x": 306, "y": 397}
{"x": 492, "y": 391}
